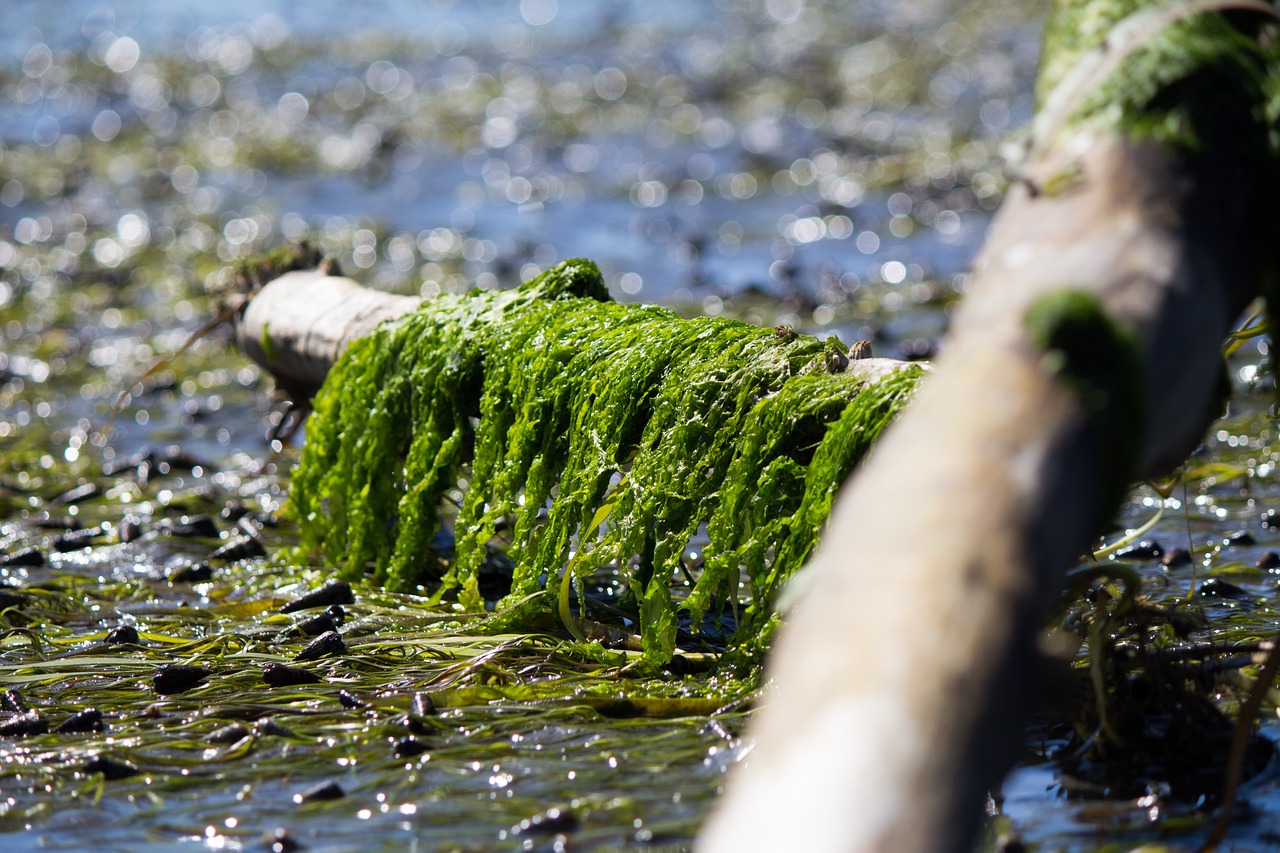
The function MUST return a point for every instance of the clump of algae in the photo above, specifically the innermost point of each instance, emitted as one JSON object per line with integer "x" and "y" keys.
{"x": 604, "y": 437}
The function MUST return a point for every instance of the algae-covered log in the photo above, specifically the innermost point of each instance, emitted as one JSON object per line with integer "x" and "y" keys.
{"x": 1087, "y": 353}
{"x": 577, "y": 435}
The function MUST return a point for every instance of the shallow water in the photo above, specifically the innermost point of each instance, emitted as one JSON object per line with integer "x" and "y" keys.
{"x": 826, "y": 164}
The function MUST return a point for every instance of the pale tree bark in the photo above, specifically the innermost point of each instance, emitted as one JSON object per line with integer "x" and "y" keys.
{"x": 900, "y": 678}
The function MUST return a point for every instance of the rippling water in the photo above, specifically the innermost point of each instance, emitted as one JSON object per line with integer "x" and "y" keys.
{"x": 828, "y": 164}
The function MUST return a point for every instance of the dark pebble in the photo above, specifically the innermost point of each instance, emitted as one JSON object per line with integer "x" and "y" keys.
{"x": 77, "y": 539}
{"x": 422, "y": 706}
{"x": 1268, "y": 560}
{"x": 326, "y": 645}
{"x": 349, "y": 700}
{"x": 1146, "y": 549}
{"x": 191, "y": 527}
{"x": 192, "y": 573}
{"x": 280, "y": 675}
{"x": 178, "y": 677}
{"x": 1176, "y": 558}
{"x": 553, "y": 820}
{"x": 30, "y": 723}
{"x": 12, "y": 701}
{"x": 10, "y": 599}
{"x": 82, "y": 492}
{"x": 1271, "y": 520}
{"x": 317, "y": 625}
{"x": 268, "y": 726}
{"x": 109, "y": 768}
{"x": 280, "y": 840}
{"x": 408, "y": 747}
{"x": 240, "y": 548}
{"x": 324, "y": 791}
{"x": 124, "y": 635}
{"x": 87, "y": 720}
{"x": 332, "y": 592}
{"x": 1241, "y": 537}
{"x": 29, "y": 557}
{"x": 1218, "y": 588}
{"x": 231, "y": 733}
{"x": 129, "y": 530}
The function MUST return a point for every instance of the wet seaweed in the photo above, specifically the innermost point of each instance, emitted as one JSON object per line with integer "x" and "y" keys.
{"x": 603, "y": 438}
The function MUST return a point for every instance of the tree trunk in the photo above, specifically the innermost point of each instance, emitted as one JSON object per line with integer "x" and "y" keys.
{"x": 945, "y": 550}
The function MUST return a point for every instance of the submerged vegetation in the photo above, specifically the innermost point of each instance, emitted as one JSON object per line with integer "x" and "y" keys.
{"x": 606, "y": 438}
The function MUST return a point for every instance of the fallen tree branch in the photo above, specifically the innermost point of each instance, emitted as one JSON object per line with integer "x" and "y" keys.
{"x": 1086, "y": 354}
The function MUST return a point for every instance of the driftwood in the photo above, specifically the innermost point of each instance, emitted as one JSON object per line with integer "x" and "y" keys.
{"x": 900, "y": 678}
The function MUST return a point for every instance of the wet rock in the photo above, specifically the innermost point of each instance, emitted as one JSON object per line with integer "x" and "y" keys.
{"x": 268, "y": 727}
{"x": 178, "y": 677}
{"x": 24, "y": 725}
{"x": 1146, "y": 549}
{"x": 280, "y": 675}
{"x": 86, "y": 720}
{"x": 190, "y": 527}
{"x": 422, "y": 706}
{"x": 1240, "y": 537}
{"x": 76, "y": 539}
{"x": 327, "y": 644}
{"x": 9, "y": 598}
{"x": 240, "y": 548}
{"x": 1271, "y": 519}
{"x": 349, "y": 700}
{"x": 1218, "y": 588}
{"x": 332, "y": 592}
{"x": 319, "y": 624}
{"x": 231, "y": 733}
{"x": 30, "y": 557}
{"x": 12, "y": 701}
{"x": 124, "y": 635}
{"x": 198, "y": 572}
{"x": 280, "y": 840}
{"x": 110, "y": 768}
{"x": 1176, "y": 558}
{"x": 552, "y": 821}
{"x": 329, "y": 790}
{"x": 130, "y": 529}
{"x": 1268, "y": 560}
{"x": 408, "y": 747}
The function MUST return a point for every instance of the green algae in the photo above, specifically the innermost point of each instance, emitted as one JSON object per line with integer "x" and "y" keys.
{"x": 605, "y": 438}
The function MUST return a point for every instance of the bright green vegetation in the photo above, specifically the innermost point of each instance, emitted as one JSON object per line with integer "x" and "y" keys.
{"x": 604, "y": 437}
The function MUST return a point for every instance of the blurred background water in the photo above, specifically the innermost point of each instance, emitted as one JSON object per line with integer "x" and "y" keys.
{"x": 828, "y": 164}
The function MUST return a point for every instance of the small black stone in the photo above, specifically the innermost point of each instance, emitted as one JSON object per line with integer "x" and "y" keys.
{"x": 422, "y": 706}
{"x": 349, "y": 700}
{"x": 317, "y": 625}
{"x": 1147, "y": 549}
{"x": 1176, "y": 558}
{"x": 178, "y": 677}
{"x": 29, "y": 557}
{"x": 192, "y": 573}
{"x": 280, "y": 840}
{"x": 1218, "y": 588}
{"x": 1241, "y": 537}
{"x": 124, "y": 635}
{"x": 332, "y": 592}
{"x": 191, "y": 527}
{"x": 12, "y": 701}
{"x": 77, "y": 539}
{"x": 231, "y": 733}
{"x": 240, "y": 548}
{"x": 553, "y": 821}
{"x": 9, "y": 599}
{"x": 1268, "y": 560}
{"x": 22, "y": 725}
{"x": 329, "y": 790}
{"x": 408, "y": 747}
{"x": 326, "y": 645}
{"x": 129, "y": 530}
{"x": 280, "y": 675}
{"x": 86, "y": 720}
{"x": 109, "y": 768}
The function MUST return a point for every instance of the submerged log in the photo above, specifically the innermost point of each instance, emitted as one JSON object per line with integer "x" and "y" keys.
{"x": 1087, "y": 353}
